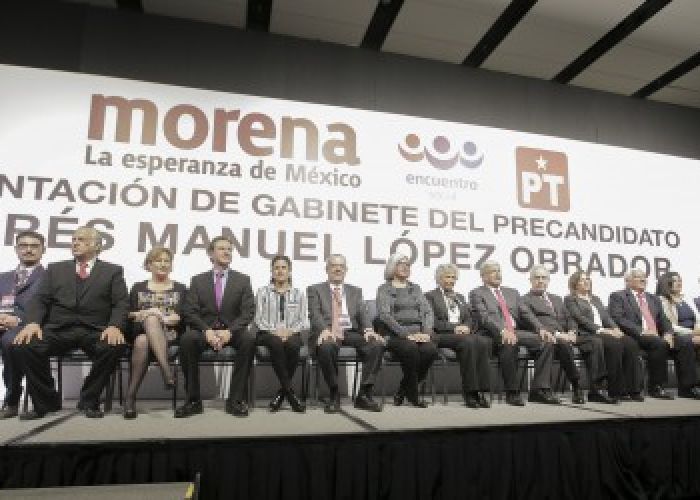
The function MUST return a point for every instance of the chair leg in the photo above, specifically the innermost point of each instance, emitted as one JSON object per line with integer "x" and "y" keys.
{"x": 109, "y": 391}
{"x": 174, "y": 396}
{"x": 251, "y": 382}
{"x": 59, "y": 377}
{"x": 354, "y": 381}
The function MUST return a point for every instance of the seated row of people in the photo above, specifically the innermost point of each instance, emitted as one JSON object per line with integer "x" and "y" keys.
{"x": 83, "y": 303}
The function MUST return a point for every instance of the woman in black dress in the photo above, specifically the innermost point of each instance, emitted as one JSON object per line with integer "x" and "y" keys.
{"x": 156, "y": 311}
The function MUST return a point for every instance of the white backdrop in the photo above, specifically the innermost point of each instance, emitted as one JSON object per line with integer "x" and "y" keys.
{"x": 54, "y": 168}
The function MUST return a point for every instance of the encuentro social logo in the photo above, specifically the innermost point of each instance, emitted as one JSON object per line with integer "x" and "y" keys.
{"x": 440, "y": 153}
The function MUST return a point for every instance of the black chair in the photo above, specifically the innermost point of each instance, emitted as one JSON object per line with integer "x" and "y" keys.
{"x": 76, "y": 357}
{"x": 262, "y": 358}
{"x": 226, "y": 357}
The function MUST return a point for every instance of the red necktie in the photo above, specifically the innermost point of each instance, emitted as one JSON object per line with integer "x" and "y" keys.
{"x": 507, "y": 319}
{"x": 646, "y": 313}
{"x": 82, "y": 270}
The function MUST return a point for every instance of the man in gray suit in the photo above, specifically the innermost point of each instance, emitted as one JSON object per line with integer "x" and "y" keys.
{"x": 17, "y": 287}
{"x": 551, "y": 315}
{"x": 501, "y": 314}
{"x": 338, "y": 316}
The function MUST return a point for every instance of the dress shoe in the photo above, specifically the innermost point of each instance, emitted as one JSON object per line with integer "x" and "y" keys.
{"x": 417, "y": 403}
{"x": 237, "y": 408}
{"x": 277, "y": 401}
{"x": 601, "y": 397}
{"x": 295, "y": 403}
{"x": 543, "y": 396}
{"x": 130, "y": 410}
{"x": 513, "y": 398}
{"x": 577, "y": 397}
{"x": 483, "y": 402}
{"x": 658, "y": 392}
{"x": 365, "y": 402}
{"x": 8, "y": 411}
{"x": 471, "y": 400}
{"x": 333, "y": 404}
{"x": 32, "y": 415}
{"x": 189, "y": 409}
{"x": 94, "y": 412}
{"x": 399, "y": 397}
{"x": 689, "y": 393}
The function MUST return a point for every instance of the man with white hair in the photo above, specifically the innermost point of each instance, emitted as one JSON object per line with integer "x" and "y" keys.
{"x": 640, "y": 315}
{"x": 554, "y": 319}
{"x": 338, "y": 317}
{"x": 81, "y": 303}
{"x": 501, "y": 314}
{"x": 454, "y": 329}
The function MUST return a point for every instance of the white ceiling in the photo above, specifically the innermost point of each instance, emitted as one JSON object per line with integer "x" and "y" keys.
{"x": 545, "y": 41}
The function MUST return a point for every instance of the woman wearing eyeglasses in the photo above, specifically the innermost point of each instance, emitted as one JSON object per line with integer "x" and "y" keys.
{"x": 406, "y": 318}
{"x": 454, "y": 330}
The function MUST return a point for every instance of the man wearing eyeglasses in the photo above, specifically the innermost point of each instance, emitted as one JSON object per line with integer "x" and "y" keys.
{"x": 16, "y": 288}
{"x": 454, "y": 330}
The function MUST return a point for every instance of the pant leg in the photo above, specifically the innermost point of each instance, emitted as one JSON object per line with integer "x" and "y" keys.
{"x": 683, "y": 353}
{"x": 11, "y": 373}
{"x": 409, "y": 356}
{"x": 370, "y": 353}
{"x": 277, "y": 356}
{"x": 632, "y": 373}
{"x": 34, "y": 363}
{"x": 292, "y": 349}
{"x": 657, "y": 358}
{"x": 244, "y": 343}
{"x": 591, "y": 347}
{"x": 104, "y": 359}
{"x": 469, "y": 349}
{"x": 564, "y": 352}
{"x": 613, "y": 349}
{"x": 508, "y": 361}
{"x": 192, "y": 344}
{"x": 543, "y": 354}
{"x": 327, "y": 358}
{"x": 427, "y": 354}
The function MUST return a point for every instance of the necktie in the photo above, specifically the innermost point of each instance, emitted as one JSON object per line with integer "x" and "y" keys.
{"x": 646, "y": 313}
{"x": 219, "y": 289}
{"x": 337, "y": 308}
{"x": 549, "y": 302}
{"x": 82, "y": 270}
{"x": 21, "y": 277}
{"x": 507, "y": 319}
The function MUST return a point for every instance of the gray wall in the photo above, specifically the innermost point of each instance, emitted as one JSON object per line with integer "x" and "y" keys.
{"x": 81, "y": 38}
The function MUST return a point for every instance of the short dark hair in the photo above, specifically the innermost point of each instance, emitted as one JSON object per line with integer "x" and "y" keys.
{"x": 213, "y": 242}
{"x": 663, "y": 286}
{"x": 30, "y": 234}
{"x": 284, "y": 258}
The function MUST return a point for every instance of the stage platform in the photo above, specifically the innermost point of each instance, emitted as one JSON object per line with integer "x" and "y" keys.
{"x": 628, "y": 450}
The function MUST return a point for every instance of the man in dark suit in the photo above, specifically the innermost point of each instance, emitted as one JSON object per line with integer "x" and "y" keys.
{"x": 639, "y": 314}
{"x": 17, "y": 287}
{"x": 338, "y": 316}
{"x": 500, "y": 313}
{"x": 81, "y": 303}
{"x": 454, "y": 330}
{"x": 551, "y": 315}
{"x": 218, "y": 309}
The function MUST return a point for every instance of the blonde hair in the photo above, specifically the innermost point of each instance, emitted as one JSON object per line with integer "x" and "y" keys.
{"x": 154, "y": 253}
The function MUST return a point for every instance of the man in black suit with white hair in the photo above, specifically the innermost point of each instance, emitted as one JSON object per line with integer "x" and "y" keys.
{"x": 81, "y": 303}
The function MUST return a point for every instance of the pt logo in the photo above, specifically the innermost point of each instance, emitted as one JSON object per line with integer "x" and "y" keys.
{"x": 543, "y": 179}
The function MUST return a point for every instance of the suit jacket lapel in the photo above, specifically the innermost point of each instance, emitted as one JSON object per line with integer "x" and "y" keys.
{"x": 441, "y": 306}
{"x": 32, "y": 278}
